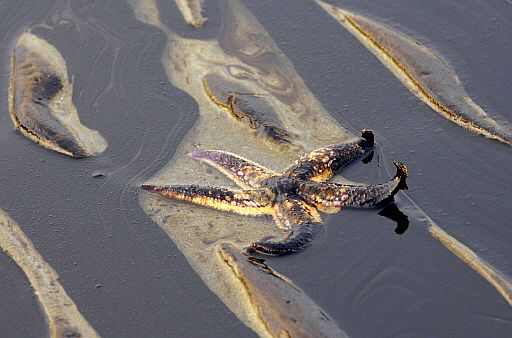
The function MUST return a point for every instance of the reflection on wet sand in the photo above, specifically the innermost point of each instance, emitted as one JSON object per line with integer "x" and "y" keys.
{"x": 423, "y": 72}
{"x": 40, "y": 100}
{"x": 64, "y": 319}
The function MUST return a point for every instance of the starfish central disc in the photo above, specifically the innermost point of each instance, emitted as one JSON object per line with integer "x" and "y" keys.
{"x": 293, "y": 198}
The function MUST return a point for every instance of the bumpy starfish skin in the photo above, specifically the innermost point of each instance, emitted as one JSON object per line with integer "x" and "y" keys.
{"x": 293, "y": 198}
{"x": 243, "y": 172}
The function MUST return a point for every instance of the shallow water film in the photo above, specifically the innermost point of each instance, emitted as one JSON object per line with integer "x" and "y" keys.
{"x": 269, "y": 80}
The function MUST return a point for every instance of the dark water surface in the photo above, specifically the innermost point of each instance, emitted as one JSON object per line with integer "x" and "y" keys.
{"x": 128, "y": 278}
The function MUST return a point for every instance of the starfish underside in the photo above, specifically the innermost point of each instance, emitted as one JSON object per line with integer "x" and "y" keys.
{"x": 293, "y": 198}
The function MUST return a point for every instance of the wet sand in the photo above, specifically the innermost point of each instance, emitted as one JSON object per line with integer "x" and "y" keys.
{"x": 126, "y": 276}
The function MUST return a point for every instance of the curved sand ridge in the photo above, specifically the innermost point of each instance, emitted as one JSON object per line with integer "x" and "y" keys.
{"x": 40, "y": 100}
{"x": 64, "y": 319}
{"x": 491, "y": 274}
{"x": 284, "y": 308}
{"x": 423, "y": 72}
{"x": 499, "y": 280}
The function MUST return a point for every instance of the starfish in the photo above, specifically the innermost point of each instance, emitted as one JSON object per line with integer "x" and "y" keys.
{"x": 293, "y": 198}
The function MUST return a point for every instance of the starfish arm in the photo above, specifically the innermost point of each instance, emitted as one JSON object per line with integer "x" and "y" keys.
{"x": 331, "y": 197}
{"x": 245, "y": 202}
{"x": 321, "y": 164}
{"x": 243, "y": 172}
{"x": 298, "y": 219}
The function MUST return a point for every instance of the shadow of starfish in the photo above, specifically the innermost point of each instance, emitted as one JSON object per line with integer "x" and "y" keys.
{"x": 393, "y": 213}
{"x": 293, "y": 198}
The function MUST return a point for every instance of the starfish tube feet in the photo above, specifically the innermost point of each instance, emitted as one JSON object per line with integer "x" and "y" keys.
{"x": 246, "y": 202}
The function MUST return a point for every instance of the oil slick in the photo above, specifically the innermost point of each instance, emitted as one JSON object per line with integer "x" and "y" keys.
{"x": 40, "y": 100}
{"x": 423, "y": 72}
{"x": 64, "y": 319}
{"x": 266, "y": 293}
{"x": 192, "y": 12}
